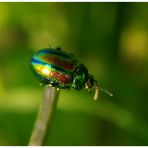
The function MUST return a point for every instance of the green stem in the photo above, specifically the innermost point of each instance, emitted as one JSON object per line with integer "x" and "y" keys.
{"x": 45, "y": 115}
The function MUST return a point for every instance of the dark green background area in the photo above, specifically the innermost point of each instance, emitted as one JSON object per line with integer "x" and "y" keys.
{"x": 111, "y": 39}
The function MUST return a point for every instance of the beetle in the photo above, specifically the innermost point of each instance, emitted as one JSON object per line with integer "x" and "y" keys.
{"x": 62, "y": 70}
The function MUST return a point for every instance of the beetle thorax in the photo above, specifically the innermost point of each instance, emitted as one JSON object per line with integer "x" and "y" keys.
{"x": 80, "y": 77}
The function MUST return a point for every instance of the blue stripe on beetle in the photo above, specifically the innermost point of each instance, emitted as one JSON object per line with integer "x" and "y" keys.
{"x": 61, "y": 70}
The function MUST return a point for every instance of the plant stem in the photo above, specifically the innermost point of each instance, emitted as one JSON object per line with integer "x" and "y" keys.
{"x": 45, "y": 115}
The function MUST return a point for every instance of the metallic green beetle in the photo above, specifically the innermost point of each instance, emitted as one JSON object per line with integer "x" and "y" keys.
{"x": 62, "y": 70}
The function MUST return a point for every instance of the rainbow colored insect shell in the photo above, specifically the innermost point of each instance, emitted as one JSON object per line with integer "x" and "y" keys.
{"x": 61, "y": 70}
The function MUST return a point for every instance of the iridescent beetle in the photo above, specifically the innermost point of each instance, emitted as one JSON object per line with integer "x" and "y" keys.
{"x": 59, "y": 69}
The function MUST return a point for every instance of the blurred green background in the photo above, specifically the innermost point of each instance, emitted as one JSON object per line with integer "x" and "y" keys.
{"x": 111, "y": 39}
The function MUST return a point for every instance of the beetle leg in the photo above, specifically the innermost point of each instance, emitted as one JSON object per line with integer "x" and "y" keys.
{"x": 96, "y": 90}
{"x": 49, "y": 84}
{"x": 96, "y": 93}
{"x": 58, "y": 89}
{"x": 58, "y": 48}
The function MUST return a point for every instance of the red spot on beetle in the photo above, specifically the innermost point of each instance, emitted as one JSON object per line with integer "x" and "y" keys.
{"x": 67, "y": 65}
{"x": 62, "y": 78}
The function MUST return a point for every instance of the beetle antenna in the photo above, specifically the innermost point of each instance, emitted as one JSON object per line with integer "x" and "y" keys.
{"x": 97, "y": 89}
{"x": 106, "y": 91}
